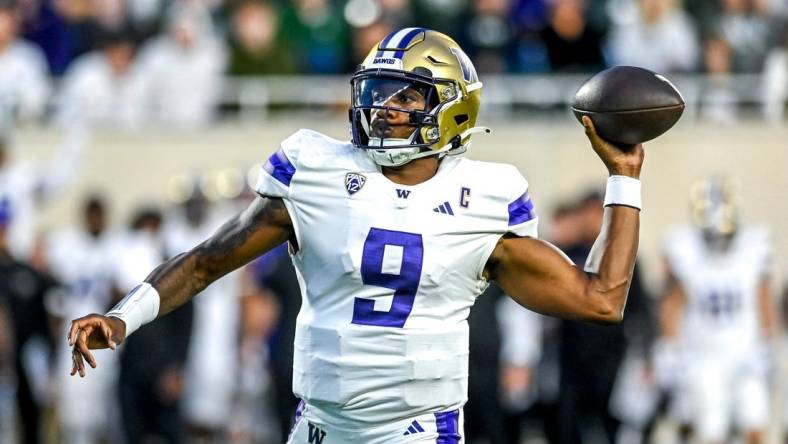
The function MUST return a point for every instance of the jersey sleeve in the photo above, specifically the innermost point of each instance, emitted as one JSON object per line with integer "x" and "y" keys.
{"x": 522, "y": 219}
{"x": 277, "y": 172}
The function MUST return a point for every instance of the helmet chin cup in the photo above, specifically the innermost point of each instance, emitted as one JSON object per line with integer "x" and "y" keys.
{"x": 391, "y": 157}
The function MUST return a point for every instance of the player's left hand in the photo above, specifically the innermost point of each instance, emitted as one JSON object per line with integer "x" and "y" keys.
{"x": 619, "y": 160}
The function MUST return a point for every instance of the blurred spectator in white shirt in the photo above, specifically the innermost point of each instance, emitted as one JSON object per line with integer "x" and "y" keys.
{"x": 99, "y": 88}
{"x": 24, "y": 86}
{"x": 24, "y": 186}
{"x": 181, "y": 71}
{"x": 654, "y": 34}
{"x": 745, "y": 26}
{"x": 81, "y": 259}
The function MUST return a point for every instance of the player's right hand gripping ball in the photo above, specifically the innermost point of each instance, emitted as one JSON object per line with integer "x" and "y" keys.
{"x": 628, "y": 105}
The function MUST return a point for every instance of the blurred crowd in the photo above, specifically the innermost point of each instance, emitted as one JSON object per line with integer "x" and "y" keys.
{"x": 126, "y": 63}
{"x": 699, "y": 357}
{"x": 220, "y": 369}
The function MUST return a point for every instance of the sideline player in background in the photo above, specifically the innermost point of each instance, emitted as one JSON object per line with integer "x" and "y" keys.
{"x": 719, "y": 316}
{"x": 82, "y": 260}
{"x": 394, "y": 236}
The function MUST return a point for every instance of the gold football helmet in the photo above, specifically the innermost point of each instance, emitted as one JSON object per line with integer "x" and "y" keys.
{"x": 714, "y": 204}
{"x": 415, "y": 95}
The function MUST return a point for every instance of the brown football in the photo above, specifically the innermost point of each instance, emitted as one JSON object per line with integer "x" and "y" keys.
{"x": 628, "y": 105}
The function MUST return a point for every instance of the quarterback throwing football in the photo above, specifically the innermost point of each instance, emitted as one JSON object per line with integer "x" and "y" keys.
{"x": 394, "y": 235}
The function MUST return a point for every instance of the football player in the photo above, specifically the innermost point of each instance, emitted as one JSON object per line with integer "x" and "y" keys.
{"x": 393, "y": 236}
{"x": 718, "y": 314}
{"x": 81, "y": 259}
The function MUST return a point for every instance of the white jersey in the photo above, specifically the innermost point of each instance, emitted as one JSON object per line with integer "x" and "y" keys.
{"x": 721, "y": 313}
{"x": 388, "y": 273}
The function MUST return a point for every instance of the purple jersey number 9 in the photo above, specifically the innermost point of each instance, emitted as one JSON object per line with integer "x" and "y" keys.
{"x": 405, "y": 284}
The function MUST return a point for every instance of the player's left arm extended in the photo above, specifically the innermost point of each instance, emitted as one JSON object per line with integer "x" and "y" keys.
{"x": 264, "y": 225}
{"x": 541, "y": 278}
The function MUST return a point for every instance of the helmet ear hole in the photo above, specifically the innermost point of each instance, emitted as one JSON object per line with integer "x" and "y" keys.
{"x": 422, "y": 71}
{"x": 459, "y": 119}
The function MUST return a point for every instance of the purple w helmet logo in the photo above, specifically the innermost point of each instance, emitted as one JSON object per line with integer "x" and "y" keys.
{"x": 354, "y": 182}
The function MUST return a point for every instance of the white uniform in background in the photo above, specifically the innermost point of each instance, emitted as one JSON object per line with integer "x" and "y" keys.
{"x": 84, "y": 265}
{"x": 93, "y": 93}
{"x": 388, "y": 275}
{"x": 24, "y": 80}
{"x": 521, "y": 346}
{"x": 23, "y": 185}
{"x": 721, "y": 334}
{"x": 212, "y": 361}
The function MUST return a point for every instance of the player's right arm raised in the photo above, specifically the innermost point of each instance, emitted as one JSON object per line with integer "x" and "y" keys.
{"x": 264, "y": 225}
{"x": 539, "y": 277}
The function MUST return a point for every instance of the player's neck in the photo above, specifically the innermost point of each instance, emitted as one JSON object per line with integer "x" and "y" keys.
{"x": 414, "y": 172}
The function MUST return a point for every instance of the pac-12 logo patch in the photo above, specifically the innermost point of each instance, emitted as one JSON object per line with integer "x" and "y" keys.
{"x": 354, "y": 182}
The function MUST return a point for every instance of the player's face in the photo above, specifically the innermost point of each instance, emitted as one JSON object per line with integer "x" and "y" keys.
{"x": 95, "y": 221}
{"x": 388, "y": 123}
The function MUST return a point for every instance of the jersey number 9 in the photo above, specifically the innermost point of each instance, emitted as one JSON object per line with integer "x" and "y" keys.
{"x": 405, "y": 283}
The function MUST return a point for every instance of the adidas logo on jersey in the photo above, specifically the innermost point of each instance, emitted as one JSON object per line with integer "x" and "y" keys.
{"x": 414, "y": 428}
{"x": 444, "y": 208}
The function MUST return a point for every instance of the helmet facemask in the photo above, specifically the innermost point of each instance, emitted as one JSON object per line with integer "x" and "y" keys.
{"x": 393, "y": 114}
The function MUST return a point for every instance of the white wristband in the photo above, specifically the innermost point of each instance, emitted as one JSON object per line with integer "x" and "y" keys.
{"x": 623, "y": 190}
{"x": 138, "y": 307}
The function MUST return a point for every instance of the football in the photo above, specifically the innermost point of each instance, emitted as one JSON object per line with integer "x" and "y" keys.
{"x": 628, "y": 105}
